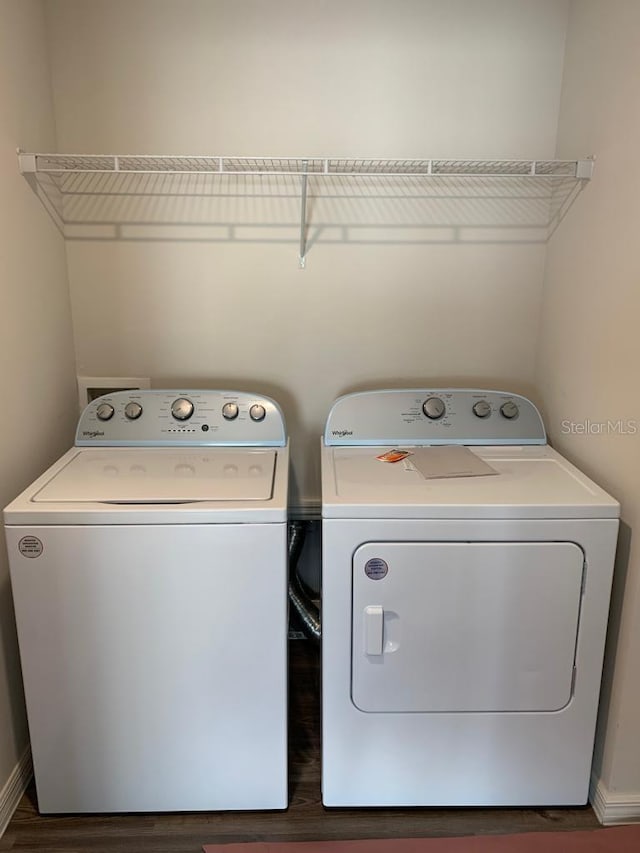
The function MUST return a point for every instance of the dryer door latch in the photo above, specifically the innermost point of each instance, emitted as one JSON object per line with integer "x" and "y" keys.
{"x": 373, "y": 629}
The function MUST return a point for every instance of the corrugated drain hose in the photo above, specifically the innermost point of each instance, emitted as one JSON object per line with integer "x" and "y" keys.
{"x": 307, "y": 611}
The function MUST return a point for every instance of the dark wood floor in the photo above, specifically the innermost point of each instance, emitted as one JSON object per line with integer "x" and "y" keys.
{"x": 306, "y": 819}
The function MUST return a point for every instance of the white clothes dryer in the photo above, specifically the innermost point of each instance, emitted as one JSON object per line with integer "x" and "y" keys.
{"x": 149, "y": 575}
{"x": 463, "y": 613}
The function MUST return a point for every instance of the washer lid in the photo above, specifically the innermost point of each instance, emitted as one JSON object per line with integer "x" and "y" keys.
{"x": 162, "y": 476}
{"x": 531, "y": 482}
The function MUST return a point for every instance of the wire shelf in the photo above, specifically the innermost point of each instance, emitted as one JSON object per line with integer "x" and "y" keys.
{"x": 116, "y": 192}
{"x": 59, "y": 164}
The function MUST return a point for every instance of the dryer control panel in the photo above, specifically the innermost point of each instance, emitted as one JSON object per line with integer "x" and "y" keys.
{"x": 181, "y": 418}
{"x": 434, "y": 416}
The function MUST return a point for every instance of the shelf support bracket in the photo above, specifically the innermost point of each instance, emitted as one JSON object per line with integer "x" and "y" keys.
{"x": 302, "y": 259}
{"x": 584, "y": 169}
{"x": 26, "y": 162}
{"x": 28, "y": 168}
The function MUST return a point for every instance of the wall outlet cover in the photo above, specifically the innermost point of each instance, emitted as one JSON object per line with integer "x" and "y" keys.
{"x": 90, "y": 387}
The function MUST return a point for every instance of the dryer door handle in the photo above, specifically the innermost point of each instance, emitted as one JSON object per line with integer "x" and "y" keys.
{"x": 373, "y": 629}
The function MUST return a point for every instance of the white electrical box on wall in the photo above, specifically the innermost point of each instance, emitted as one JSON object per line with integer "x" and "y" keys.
{"x": 90, "y": 387}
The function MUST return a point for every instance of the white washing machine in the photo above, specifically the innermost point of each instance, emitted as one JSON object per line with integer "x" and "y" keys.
{"x": 149, "y": 575}
{"x": 463, "y": 613}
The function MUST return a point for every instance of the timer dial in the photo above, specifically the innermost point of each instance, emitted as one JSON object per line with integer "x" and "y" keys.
{"x": 434, "y": 408}
{"x": 257, "y": 412}
{"x": 133, "y": 411}
{"x": 182, "y": 409}
{"x": 230, "y": 411}
{"x": 481, "y": 409}
{"x": 509, "y": 410}
{"x": 104, "y": 412}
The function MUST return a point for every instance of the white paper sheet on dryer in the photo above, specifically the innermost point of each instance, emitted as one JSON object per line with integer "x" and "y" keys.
{"x": 448, "y": 460}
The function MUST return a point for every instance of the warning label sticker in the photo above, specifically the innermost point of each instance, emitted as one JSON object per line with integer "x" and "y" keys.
{"x": 376, "y": 569}
{"x": 30, "y": 546}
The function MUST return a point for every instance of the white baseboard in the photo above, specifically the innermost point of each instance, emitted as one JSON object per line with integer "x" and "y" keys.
{"x": 14, "y": 788}
{"x": 612, "y": 809}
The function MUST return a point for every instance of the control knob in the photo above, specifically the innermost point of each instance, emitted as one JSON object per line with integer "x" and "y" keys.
{"x": 182, "y": 409}
{"x": 257, "y": 412}
{"x": 104, "y": 412}
{"x": 133, "y": 411}
{"x": 434, "y": 408}
{"x": 482, "y": 409}
{"x": 230, "y": 411}
{"x": 509, "y": 410}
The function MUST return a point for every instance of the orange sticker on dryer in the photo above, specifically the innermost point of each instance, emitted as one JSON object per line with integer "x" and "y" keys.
{"x": 393, "y": 455}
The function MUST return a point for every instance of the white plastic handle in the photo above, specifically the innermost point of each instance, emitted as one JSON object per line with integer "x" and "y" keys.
{"x": 373, "y": 629}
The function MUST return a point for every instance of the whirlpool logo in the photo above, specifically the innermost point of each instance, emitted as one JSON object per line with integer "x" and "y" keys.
{"x": 92, "y": 433}
{"x": 341, "y": 433}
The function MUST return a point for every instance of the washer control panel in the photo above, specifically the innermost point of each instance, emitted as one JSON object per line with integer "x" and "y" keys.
{"x": 434, "y": 416}
{"x": 181, "y": 418}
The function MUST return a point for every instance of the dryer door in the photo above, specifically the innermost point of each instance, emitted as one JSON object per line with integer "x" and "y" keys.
{"x": 465, "y": 626}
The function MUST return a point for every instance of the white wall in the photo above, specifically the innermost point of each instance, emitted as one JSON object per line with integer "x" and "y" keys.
{"x": 412, "y": 78}
{"x": 590, "y": 347}
{"x": 36, "y": 345}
